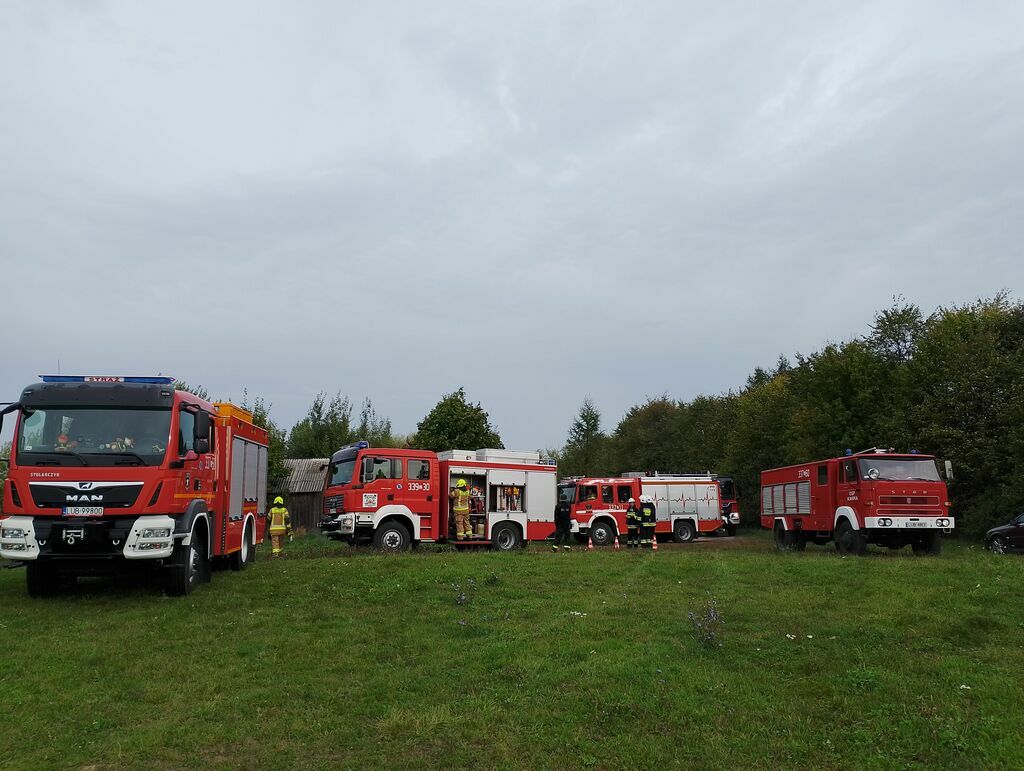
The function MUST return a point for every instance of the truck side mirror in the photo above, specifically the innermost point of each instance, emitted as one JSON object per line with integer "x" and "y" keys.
{"x": 202, "y": 446}
{"x": 366, "y": 472}
{"x": 949, "y": 470}
{"x": 202, "y": 426}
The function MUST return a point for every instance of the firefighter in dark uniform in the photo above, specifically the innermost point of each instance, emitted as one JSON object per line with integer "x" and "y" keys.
{"x": 648, "y": 518}
{"x": 632, "y": 525}
{"x": 563, "y": 527}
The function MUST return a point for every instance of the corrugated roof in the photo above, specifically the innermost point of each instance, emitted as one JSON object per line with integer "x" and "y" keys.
{"x": 306, "y": 475}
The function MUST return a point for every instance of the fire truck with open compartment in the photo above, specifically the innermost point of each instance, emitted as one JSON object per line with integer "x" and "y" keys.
{"x": 111, "y": 474}
{"x": 688, "y": 505}
{"x": 394, "y": 498}
{"x": 876, "y": 496}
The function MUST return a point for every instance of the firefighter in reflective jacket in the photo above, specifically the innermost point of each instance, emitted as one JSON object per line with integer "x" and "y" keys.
{"x": 648, "y": 518}
{"x": 632, "y": 525}
{"x": 460, "y": 506}
{"x": 280, "y": 526}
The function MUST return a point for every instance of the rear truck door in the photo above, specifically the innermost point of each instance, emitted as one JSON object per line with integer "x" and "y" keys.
{"x": 419, "y": 491}
{"x": 709, "y": 507}
{"x": 821, "y": 501}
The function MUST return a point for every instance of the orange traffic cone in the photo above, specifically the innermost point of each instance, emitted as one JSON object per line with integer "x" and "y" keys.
{"x": 590, "y": 544}
{"x": 654, "y": 542}
{"x": 616, "y": 543}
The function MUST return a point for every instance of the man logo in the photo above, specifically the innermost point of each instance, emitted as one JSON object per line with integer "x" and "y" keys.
{"x": 85, "y": 485}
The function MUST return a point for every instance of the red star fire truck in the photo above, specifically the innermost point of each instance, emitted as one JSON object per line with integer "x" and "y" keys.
{"x": 875, "y": 496}
{"x": 687, "y": 505}
{"x": 393, "y": 499}
{"x": 110, "y": 474}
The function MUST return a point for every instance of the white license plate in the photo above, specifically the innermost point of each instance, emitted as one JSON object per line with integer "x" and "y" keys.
{"x": 917, "y": 524}
{"x": 83, "y": 511}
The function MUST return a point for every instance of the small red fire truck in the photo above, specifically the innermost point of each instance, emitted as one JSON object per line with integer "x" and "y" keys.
{"x": 112, "y": 473}
{"x": 687, "y": 504}
{"x": 876, "y": 496}
{"x": 396, "y": 498}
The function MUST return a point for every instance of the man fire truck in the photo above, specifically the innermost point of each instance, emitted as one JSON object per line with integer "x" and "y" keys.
{"x": 687, "y": 505}
{"x": 876, "y": 496}
{"x": 109, "y": 474}
{"x": 393, "y": 498}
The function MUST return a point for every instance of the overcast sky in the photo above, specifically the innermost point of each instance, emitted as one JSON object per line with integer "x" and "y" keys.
{"x": 535, "y": 200}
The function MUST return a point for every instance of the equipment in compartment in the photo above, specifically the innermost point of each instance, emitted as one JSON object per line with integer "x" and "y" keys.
{"x": 507, "y": 498}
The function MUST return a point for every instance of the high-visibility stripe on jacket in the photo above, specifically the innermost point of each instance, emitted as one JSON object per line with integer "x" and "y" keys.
{"x": 461, "y": 498}
{"x": 280, "y": 520}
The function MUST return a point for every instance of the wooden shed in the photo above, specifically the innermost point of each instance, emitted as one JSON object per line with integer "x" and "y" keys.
{"x": 304, "y": 495}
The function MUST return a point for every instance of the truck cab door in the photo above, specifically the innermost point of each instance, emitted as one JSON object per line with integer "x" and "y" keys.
{"x": 848, "y": 487}
{"x": 381, "y": 477}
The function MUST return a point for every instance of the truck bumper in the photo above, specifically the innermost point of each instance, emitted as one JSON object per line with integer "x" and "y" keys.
{"x": 889, "y": 523}
{"x": 341, "y": 526}
{"x": 148, "y": 537}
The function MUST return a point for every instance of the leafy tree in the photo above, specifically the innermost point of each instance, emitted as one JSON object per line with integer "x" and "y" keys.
{"x": 895, "y": 331}
{"x": 585, "y": 452}
{"x": 456, "y": 423}
{"x": 326, "y": 427}
{"x": 647, "y": 436}
{"x": 376, "y": 429}
{"x": 181, "y": 385}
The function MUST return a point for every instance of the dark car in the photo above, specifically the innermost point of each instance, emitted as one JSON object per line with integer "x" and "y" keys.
{"x": 1008, "y": 537}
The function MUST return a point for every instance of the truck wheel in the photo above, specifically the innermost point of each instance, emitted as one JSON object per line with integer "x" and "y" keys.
{"x": 602, "y": 534}
{"x": 850, "y": 541}
{"x": 393, "y": 537}
{"x": 730, "y": 529}
{"x": 190, "y": 566}
{"x": 505, "y": 537}
{"x": 42, "y": 579}
{"x": 682, "y": 531}
{"x": 930, "y": 544}
{"x": 783, "y": 537}
{"x": 240, "y": 559}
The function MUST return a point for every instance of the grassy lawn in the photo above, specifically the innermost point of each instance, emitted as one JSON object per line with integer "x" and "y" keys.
{"x": 333, "y": 657}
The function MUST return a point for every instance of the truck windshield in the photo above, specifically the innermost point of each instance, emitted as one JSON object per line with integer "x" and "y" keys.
{"x": 93, "y": 436}
{"x": 341, "y": 471}
{"x": 899, "y": 469}
{"x": 566, "y": 493}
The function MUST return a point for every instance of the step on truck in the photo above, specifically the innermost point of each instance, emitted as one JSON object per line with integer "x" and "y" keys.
{"x": 393, "y": 499}
{"x": 115, "y": 475}
{"x": 687, "y": 505}
{"x": 871, "y": 497}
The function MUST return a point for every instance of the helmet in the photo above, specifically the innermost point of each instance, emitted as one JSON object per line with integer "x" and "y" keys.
{"x": 461, "y": 484}
{"x": 278, "y": 500}
{"x": 631, "y": 500}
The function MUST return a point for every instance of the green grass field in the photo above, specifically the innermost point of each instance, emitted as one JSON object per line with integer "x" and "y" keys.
{"x": 335, "y": 657}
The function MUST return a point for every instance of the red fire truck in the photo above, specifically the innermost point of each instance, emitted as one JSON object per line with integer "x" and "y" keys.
{"x": 687, "y": 504}
{"x": 110, "y": 474}
{"x": 875, "y": 496}
{"x": 393, "y": 499}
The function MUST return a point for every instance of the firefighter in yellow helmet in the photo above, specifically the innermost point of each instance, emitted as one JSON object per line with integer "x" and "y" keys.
{"x": 280, "y": 526}
{"x": 460, "y": 506}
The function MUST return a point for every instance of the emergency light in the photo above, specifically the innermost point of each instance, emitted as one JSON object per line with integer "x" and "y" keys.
{"x": 154, "y": 380}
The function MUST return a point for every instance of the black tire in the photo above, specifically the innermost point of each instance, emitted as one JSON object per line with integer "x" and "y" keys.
{"x": 850, "y": 541}
{"x": 240, "y": 559}
{"x": 731, "y": 529}
{"x": 930, "y": 545}
{"x": 42, "y": 578}
{"x": 682, "y": 531}
{"x": 602, "y": 533}
{"x": 392, "y": 537}
{"x": 998, "y": 545}
{"x": 506, "y": 537}
{"x": 190, "y": 566}
{"x": 783, "y": 537}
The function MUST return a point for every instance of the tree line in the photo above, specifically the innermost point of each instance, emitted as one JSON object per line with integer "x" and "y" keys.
{"x": 948, "y": 384}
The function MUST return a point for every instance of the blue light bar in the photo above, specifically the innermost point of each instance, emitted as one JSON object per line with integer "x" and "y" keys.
{"x": 155, "y": 380}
